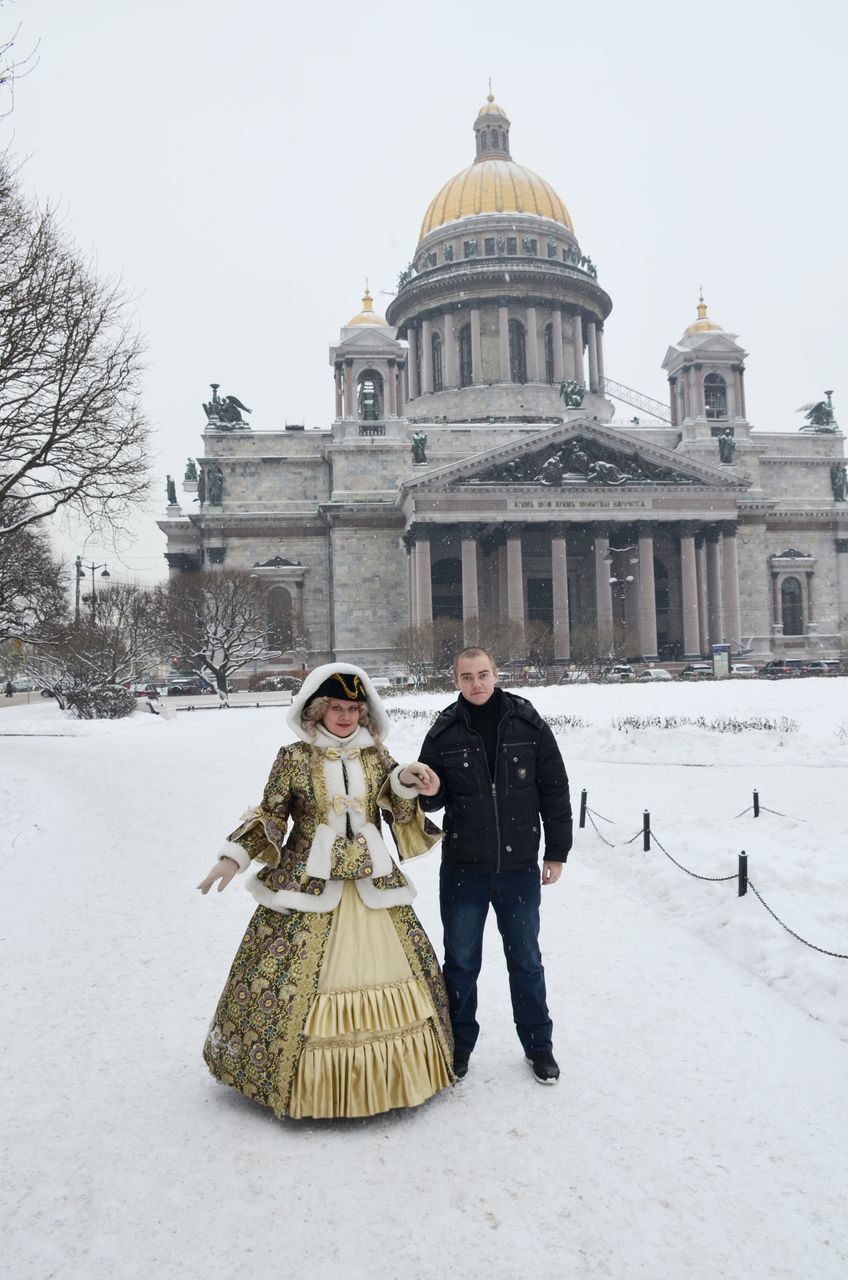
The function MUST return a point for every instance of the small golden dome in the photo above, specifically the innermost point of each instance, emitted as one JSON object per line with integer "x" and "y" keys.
{"x": 490, "y": 108}
{"x": 367, "y": 315}
{"x": 703, "y": 324}
{"x": 494, "y": 186}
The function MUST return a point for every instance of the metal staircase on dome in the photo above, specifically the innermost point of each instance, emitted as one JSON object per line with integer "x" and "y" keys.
{"x": 636, "y": 399}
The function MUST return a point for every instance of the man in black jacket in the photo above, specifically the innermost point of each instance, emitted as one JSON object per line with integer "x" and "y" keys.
{"x": 501, "y": 780}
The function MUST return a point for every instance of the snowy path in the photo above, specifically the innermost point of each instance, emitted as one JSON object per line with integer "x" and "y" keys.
{"x": 700, "y": 1130}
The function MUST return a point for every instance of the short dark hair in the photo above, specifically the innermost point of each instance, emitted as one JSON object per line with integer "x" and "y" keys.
{"x": 472, "y": 651}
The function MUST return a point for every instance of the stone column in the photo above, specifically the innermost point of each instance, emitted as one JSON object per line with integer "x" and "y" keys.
{"x": 694, "y": 408}
{"x": 699, "y": 392}
{"x": 426, "y": 359}
{"x": 603, "y": 591}
{"x": 689, "y": 585}
{"x": 731, "y": 398}
{"x": 532, "y": 346}
{"x": 348, "y": 390}
{"x": 514, "y": 579}
{"x": 423, "y": 583}
{"x": 599, "y": 345}
{"x": 684, "y": 391}
{"x": 579, "y": 370}
{"x": 401, "y": 391}
{"x": 730, "y": 575}
{"x": 412, "y": 374}
{"x": 672, "y": 398}
{"x": 390, "y": 407}
{"x": 556, "y": 338}
{"x": 451, "y": 375}
{"x": 593, "y": 355}
{"x": 339, "y": 396}
{"x": 703, "y": 595}
{"x": 470, "y": 596}
{"x": 647, "y": 594}
{"x": 476, "y": 348}
{"x": 740, "y": 392}
{"x": 716, "y": 608}
{"x": 842, "y": 589}
{"x": 559, "y": 579}
{"x": 503, "y": 342}
{"x": 412, "y": 587}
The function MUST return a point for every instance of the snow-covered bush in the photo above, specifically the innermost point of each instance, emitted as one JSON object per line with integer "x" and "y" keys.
{"x": 111, "y": 702}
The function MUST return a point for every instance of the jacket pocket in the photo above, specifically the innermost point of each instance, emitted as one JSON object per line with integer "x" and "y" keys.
{"x": 520, "y": 761}
{"x": 459, "y": 769}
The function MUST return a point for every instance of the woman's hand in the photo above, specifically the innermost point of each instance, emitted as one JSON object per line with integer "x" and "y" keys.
{"x": 425, "y": 780}
{"x": 224, "y": 870}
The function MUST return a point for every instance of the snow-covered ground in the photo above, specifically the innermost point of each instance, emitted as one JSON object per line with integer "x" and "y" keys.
{"x": 700, "y": 1129}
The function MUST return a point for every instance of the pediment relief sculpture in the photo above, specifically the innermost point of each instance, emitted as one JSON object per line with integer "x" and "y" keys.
{"x": 579, "y": 462}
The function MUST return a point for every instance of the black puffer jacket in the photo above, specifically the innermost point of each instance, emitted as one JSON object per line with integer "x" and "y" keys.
{"x": 496, "y": 824}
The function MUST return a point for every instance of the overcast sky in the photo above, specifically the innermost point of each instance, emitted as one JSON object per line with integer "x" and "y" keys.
{"x": 243, "y": 168}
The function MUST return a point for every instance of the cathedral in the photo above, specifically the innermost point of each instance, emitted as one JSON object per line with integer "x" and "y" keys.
{"x": 474, "y": 470}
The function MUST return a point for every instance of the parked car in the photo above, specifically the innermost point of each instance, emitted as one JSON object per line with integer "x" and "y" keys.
{"x": 743, "y": 670}
{"x": 179, "y": 685}
{"x": 697, "y": 671}
{"x": 824, "y": 667}
{"x": 576, "y": 677}
{"x": 618, "y": 671}
{"x": 381, "y": 682}
{"x": 654, "y": 673}
{"x": 145, "y": 690}
{"x": 23, "y": 685}
{"x": 779, "y": 668}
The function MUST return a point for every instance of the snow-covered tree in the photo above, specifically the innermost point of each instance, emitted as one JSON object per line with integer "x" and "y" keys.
{"x": 216, "y": 619}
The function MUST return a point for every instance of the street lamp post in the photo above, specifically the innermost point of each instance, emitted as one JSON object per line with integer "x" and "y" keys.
{"x": 82, "y": 569}
{"x": 620, "y": 582}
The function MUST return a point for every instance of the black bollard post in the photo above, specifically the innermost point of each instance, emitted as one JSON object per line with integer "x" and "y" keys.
{"x": 583, "y": 808}
{"x": 756, "y": 804}
{"x": 743, "y": 873}
{"x": 646, "y": 831}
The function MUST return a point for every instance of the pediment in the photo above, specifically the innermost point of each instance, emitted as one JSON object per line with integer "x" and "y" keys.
{"x": 576, "y": 455}
{"x": 370, "y": 340}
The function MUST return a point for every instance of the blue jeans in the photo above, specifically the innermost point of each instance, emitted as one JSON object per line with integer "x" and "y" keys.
{"x": 465, "y": 894}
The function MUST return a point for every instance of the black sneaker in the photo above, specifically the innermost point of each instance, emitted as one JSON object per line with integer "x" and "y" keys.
{"x": 460, "y": 1064}
{"x": 544, "y": 1065}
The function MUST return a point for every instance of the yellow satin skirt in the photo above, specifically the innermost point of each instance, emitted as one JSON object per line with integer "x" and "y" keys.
{"x": 371, "y": 1043}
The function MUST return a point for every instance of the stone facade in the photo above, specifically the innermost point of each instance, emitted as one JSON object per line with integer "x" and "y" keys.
{"x": 472, "y": 470}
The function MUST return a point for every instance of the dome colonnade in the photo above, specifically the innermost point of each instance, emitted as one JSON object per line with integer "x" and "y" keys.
{"x": 499, "y": 295}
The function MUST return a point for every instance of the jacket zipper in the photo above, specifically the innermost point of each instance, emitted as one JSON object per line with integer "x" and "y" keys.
{"x": 494, "y": 789}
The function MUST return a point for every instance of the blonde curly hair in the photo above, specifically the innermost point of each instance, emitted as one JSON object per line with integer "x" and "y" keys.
{"x": 313, "y": 715}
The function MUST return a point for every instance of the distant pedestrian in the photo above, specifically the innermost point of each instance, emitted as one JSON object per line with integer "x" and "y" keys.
{"x": 10, "y": 688}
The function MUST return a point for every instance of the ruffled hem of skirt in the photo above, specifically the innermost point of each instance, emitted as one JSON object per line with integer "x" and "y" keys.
{"x": 365, "y": 1010}
{"x": 355, "y": 1078}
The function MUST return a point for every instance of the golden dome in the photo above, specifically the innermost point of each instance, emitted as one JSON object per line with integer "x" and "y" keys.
{"x": 367, "y": 315}
{"x": 703, "y": 324}
{"x": 494, "y": 186}
{"x": 490, "y": 108}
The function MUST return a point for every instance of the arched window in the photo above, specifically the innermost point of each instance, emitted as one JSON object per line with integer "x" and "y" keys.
{"x": 436, "y": 344}
{"x": 715, "y": 396}
{"x": 278, "y": 607}
{"x": 517, "y": 352}
{"x": 369, "y": 398}
{"x": 792, "y": 607}
{"x": 484, "y": 141}
{"x": 446, "y": 579}
{"x": 494, "y": 138}
{"x": 466, "y": 371}
{"x": 549, "y": 354}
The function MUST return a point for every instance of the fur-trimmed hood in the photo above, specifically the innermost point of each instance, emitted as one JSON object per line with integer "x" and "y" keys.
{"x": 380, "y": 721}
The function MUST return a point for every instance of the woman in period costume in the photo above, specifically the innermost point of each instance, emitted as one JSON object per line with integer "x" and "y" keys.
{"x": 335, "y": 1003}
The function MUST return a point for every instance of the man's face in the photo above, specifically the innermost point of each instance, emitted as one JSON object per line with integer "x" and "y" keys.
{"x": 475, "y": 679}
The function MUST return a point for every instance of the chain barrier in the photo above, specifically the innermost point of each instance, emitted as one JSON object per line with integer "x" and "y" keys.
{"x": 837, "y": 955}
{"x": 600, "y": 834}
{"x": 695, "y": 874}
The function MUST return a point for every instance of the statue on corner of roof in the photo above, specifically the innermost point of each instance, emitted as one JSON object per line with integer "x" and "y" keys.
{"x": 838, "y": 481}
{"x": 171, "y": 490}
{"x": 726, "y": 447}
{"x": 572, "y": 393}
{"x": 419, "y": 446}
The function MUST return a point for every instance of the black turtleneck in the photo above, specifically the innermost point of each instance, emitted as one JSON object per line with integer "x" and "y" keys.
{"x": 485, "y": 720}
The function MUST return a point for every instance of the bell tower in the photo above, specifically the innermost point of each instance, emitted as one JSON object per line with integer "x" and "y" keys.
{"x": 706, "y": 378}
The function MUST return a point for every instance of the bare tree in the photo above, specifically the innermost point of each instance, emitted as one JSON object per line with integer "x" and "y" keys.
{"x": 84, "y": 661}
{"x": 72, "y": 434}
{"x": 32, "y": 595}
{"x": 217, "y": 619}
